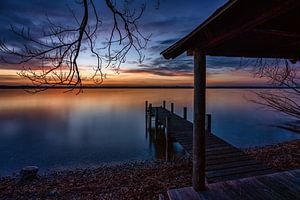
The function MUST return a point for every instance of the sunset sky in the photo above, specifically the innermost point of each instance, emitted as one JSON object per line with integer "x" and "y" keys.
{"x": 167, "y": 24}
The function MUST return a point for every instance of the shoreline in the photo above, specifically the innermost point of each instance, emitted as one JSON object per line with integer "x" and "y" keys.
{"x": 133, "y": 180}
{"x": 282, "y": 156}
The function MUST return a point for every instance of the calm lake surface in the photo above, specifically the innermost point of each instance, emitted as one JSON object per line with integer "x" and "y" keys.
{"x": 56, "y": 130}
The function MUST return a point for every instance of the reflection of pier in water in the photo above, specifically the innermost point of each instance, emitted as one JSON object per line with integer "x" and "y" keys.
{"x": 165, "y": 148}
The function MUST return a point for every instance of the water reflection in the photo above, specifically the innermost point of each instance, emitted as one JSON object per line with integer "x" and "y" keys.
{"x": 57, "y": 130}
{"x": 165, "y": 148}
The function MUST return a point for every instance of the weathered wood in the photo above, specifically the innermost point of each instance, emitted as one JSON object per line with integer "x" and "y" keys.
{"x": 208, "y": 123}
{"x": 199, "y": 120}
{"x": 185, "y": 113}
{"x": 150, "y": 117}
{"x": 276, "y": 186}
{"x": 172, "y": 107}
{"x": 156, "y": 120}
{"x": 146, "y": 115}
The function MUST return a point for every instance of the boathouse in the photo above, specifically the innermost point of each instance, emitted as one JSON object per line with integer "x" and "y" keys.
{"x": 240, "y": 28}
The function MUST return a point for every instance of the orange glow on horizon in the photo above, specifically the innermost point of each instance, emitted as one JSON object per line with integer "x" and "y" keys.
{"x": 230, "y": 78}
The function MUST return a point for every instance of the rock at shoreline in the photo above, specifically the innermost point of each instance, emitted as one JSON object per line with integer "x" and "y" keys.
{"x": 28, "y": 174}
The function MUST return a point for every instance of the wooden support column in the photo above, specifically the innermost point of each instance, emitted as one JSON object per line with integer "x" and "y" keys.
{"x": 199, "y": 120}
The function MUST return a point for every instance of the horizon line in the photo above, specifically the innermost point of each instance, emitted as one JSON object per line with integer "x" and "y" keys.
{"x": 138, "y": 87}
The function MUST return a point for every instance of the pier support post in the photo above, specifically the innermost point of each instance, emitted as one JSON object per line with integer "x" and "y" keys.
{"x": 172, "y": 107}
{"x": 146, "y": 114}
{"x": 199, "y": 120}
{"x": 167, "y": 138}
{"x": 156, "y": 120}
{"x": 208, "y": 123}
{"x": 164, "y": 104}
{"x": 185, "y": 113}
{"x": 150, "y": 117}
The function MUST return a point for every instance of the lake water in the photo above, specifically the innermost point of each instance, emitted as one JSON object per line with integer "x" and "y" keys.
{"x": 56, "y": 130}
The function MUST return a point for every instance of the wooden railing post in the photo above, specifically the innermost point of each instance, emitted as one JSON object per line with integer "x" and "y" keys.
{"x": 185, "y": 113}
{"x": 172, "y": 107}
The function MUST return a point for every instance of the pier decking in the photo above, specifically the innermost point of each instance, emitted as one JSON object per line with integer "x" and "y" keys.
{"x": 277, "y": 186}
{"x": 223, "y": 161}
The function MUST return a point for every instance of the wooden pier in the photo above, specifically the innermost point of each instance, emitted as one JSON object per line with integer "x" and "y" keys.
{"x": 277, "y": 186}
{"x": 223, "y": 160}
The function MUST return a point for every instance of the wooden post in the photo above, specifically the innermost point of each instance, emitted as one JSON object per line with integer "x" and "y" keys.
{"x": 172, "y": 107}
{"x": 185, "y": 113}
{"x": 208, "y": 123}
{"x": 199, "y": 121}
{"x": 150, "y": 117}
{"x": 167, "y": 138}
{"x": 164, "y": 104}
{"x": 146, "y": 117}
{"x": 146, "y": 112}
{"x": 156, "y": 120}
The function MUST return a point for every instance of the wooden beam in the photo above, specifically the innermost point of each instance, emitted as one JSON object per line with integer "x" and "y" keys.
{"x": 273, "y": 12}
{"x": 190, "y": 52}
{"x": 199, "y": 120}
{"x": 277, "y": 33}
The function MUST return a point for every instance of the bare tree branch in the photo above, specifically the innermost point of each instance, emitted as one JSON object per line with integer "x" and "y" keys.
{"x": 285, "y": 75}
{"x": 59, "y": 48}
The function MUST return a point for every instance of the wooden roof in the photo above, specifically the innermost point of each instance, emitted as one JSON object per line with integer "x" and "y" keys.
{"x": 246, "y": 28}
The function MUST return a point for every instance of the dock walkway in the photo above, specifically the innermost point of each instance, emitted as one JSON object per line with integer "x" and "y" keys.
{"x": 223, "y": 160}
{"x": 277, "y": 186}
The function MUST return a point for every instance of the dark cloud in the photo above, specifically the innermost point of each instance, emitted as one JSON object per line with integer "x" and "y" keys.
{"x": 169, "y": 23}
{"x": 162, "y": 67}
{"x": 183, "y": 66}
{"x": 168, "y": 41}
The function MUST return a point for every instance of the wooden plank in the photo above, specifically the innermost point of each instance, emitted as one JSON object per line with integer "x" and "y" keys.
{"x": 235, "y": 170}
{"x": 263, "y": 187}
{"x": 229, "y": 160}
{"x": 183, "y": 194}
{"x": 221, "y": 151}
{"x": 239, "y": 176}
{"x": 287, "y": 187}
{"x": 210, "y": 167}
{"x": 224, "y": 156}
